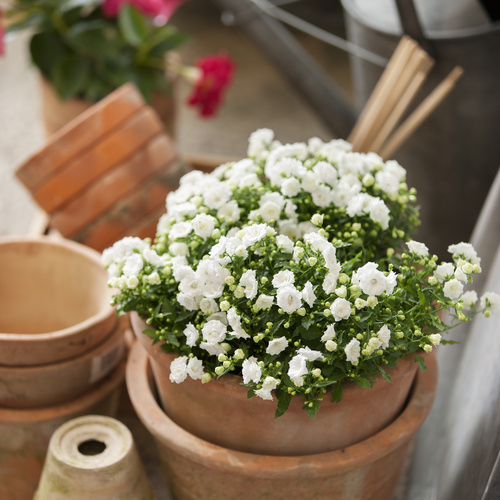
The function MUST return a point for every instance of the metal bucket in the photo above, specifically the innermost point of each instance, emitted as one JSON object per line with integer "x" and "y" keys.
{"x": 453, "y": 157}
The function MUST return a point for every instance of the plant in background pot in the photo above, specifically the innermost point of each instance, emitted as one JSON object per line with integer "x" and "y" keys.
{"x": 290, "y": 276}
{"x": 85, "y": 49}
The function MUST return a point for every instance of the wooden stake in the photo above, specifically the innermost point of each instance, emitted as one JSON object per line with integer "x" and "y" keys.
{"x": 421, "y": 113}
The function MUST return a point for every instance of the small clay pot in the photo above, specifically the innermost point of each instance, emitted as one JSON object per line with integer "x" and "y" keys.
{"x": 54, "y": 383}
{"x": 25, "y": 434}
{"x": 54, "y": 300}
{"x": 93, "y": 457}
{"x": 368, "y": 470}
{"x": 233, "y": 420}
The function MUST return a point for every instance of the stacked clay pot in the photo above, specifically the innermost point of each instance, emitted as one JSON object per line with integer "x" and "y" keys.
{"x": 62, "y": 350}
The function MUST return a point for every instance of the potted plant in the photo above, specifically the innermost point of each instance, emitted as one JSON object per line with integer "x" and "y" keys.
{"x": 86, "y": 49}
{"x": 290, "y": 277}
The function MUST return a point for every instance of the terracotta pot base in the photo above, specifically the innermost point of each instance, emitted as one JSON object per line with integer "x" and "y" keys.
{"x": 197, "y": 469}
{"x": 234, "y": 421}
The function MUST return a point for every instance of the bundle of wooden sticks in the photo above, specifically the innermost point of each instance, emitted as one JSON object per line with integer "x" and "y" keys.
{"x": 404, "y": 75}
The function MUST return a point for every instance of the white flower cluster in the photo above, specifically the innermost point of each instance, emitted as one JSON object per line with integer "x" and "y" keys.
{"x": 288, "y": 267}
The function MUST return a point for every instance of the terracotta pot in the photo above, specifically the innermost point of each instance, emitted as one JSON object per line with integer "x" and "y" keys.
{"x": 232, "y": 420}
{"x": 195, "y": 468}
{"x": 56, "y": 113}
{"x": 93, "y": 457}
{"x": 25, "y": 434}
{"x": 54, "y": 383}
{"x": 54, "y": 301}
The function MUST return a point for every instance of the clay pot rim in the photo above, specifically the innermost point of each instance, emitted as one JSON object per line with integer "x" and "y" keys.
{"x": 233, "y": 381}
{"x": 140, "y": 386}
{"x": 29, "y": 415}
{"x": 87, "y": 253}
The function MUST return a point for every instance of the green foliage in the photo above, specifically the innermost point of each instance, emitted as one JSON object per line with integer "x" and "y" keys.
{"x": 87, "y": 55}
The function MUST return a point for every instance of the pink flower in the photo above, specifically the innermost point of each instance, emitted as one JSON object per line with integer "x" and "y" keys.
{"x": 162, "y": 10}
{"x": 216, "y": 75}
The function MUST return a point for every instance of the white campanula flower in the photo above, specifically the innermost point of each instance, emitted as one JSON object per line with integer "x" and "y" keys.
{"x": 379, "y": 212}
{"x": 276, "y": 346}
{"x": 277, "y": 171}
{"x": 119, "y": 252}
{"x": 318, "y": 243}
{"x": 388, "y": 181}
{"x": 465, "y": 250}
{"x": 291, "y": 211}
{"x": 469, "y": 299}
{"x": 192, "y": 334}
{"x": 289, "y": 298}
{"x": 203, "y": 225}
{"x": 269, "y": 384}
{"x": 229, "y": 211}
{"x": 297, "y": 368}
{"x": 269, "y": 211}
{"x": 251, "y": 370}
{"x": 259, "y": 142}
{"x": 395, "y": 169}
{"x": 341, "y": 309}
{"x": 334, "y": 149}
{"x": 152, "y": 257}
{"x": 309, "y": 354}
{"x": 214, "y": 331}
{"x": 291, "y": 186}
{"x": 331, "y": 345}
{"x": 178, "y": 369}
{"x": 326, "y": 172}
{"x": 188, "y": 301}
{"x": 178, "y": 249}
{"x": 351, "y": 164}
{"x": 212, "y": 349}
{"x": 253, "y": 234}
{"x": 460, "y": 275}
{"x": 359, "y": 204}
{"x": 264, "y": 302}
{"x": 217, "y": 195}
{"x": 194, "y": 368}
{"x": 352, "y": 351}
{"x": 308, "y": 294}
{"x": 330, "y": 283}
{"x": 132, "y": 282}
{"x": 285, "y": 243}
{"x": 322, "y": 196}
{"x": 234, "y": 321}
{"x": 373, "y": 344}
{"x": 283, "y": 278}
{"x": 133, "y": 265}
{"x": 490, "y": 302}
{"x": 418, "y": 248}
{"x": 310, "y": 182}
{"x": 329, "y": 333}
{"x": 208, "y": 306}
{"x": 249, "y": 180}
{"x": 444, "y": 271}
{"x": 384, "y": 335}
{"x": 370, "y": 279}
{"x": 435, "y": 338}
{"x": 453, "y": 289}
{"x": 249, "y": 282}
{"x": 180, "y": 230}
{"x": 182, "y": 210}
{"x": 154, "y": 278}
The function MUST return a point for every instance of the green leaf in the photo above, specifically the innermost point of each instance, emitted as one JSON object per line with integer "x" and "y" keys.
{"x": 364, "y": 383}
{"x": 421, "y": 362}
{"x": 150, "y": 332}
{"x": 164, "y": 42}
{"x": 172, "y": 339}
{"x": 311, "y": 410}
{"x": 336, "y": 392}
{"x": 133, "y": 26}
{"x": 90, "y": 38}
{"x": 385, "y": 375}
{"x": 284, "y": 399}
{"x": 69, "y": 76}
{"x": 46, "y": 49}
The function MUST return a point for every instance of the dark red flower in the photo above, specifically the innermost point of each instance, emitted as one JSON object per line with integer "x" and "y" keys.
{"x": 216, "y": 74}
{"x": 160, "y": 9}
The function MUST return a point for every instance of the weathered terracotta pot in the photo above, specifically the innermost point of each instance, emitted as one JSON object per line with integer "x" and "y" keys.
{"x": 54, "y": 301}
{"x": 232, "y": 420}
{"x": 56, "y": 113}
{"x": 54, "y": 383}
{"x": 368, "y": 470}
{"x": 25, "y": 434}
{"x": 93, "y": 457}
